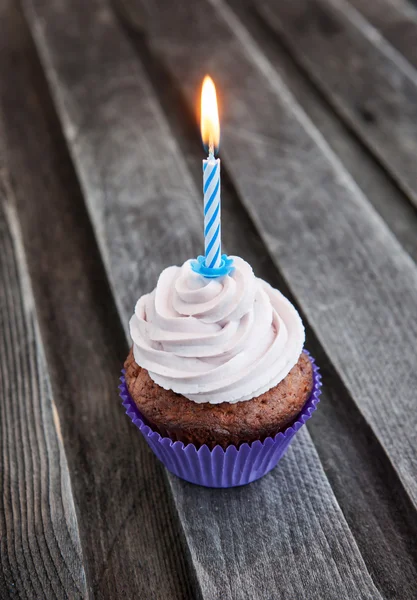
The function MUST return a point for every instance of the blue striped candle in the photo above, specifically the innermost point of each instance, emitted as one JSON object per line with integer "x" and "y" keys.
{"x": 212, "y": 229}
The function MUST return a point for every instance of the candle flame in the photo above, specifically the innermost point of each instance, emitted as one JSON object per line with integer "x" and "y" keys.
{"x": 210, "y": 125}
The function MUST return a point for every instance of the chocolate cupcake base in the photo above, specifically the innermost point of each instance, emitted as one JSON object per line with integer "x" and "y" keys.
{"x": 181, "y": 419}
{"x": 217, "y": 467}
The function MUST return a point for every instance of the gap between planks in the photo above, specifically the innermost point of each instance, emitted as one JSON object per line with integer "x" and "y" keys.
{"x": 40, "y": 553}
{"x": 396, "y": 20}
{"x": 378, "y": 185}
{"x": 369, "y": 83}
{"x": 128, "y": 530}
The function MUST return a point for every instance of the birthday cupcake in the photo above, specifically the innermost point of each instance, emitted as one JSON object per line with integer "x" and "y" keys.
{"x": 216, "y": 379}
{"x": 218, "y": 363}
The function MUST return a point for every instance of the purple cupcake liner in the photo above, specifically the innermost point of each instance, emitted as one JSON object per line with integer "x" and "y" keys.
{"x": 217, "y": 467}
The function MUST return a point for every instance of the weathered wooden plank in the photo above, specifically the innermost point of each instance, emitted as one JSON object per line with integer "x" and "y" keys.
{"x": 130, "y": 168}
{"x": 334, "y": 250}
{"x": 40, "y": 551}
{"x": 397, "y": 22}
{"x": 380, "y": 189}
{"x": 368, "y": 491}
{"x": 367, "y": 81}
{"x": 128, "y": 528}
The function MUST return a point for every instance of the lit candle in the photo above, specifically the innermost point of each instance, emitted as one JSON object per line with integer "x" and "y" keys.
{"x": 210, "y": 133}
{"x": 213, "y": 264}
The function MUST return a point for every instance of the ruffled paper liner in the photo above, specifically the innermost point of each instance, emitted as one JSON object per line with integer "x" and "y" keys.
{"x": 218, "y": 467}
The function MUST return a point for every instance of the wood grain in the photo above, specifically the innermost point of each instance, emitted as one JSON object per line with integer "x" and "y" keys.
{"x": 129, "y": 172}
{"x": 396, "y": 20}
{"x": 365, "y": 79}
{"x": 128, "y": 529}
{"x": 376, "y": 183}
{"x": 368, "y": 490}
{"x": 333, "y": 248}
{"x": 259, "y": 533}
{"x": 40, "y": 549}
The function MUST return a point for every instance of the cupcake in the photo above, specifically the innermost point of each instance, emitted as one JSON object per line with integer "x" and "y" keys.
{"x": 217, "y": 374}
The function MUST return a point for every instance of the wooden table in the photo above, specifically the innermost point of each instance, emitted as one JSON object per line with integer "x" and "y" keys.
{"x": 100, "y": 189}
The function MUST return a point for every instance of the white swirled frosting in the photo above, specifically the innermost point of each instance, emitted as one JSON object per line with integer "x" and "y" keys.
{"x": 216, "y": 340}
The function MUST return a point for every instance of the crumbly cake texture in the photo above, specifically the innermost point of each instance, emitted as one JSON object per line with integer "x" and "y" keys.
{"x": 223, "y": 424}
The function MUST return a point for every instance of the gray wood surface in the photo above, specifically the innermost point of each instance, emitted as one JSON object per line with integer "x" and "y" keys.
{"x": 86, "y": 511}
{"x": 128, "y": 529}
{"x": 370, "y": 84}
{"x": 379, "y": 188}
{"x": 333, "y": 249}
{"x": 368, "y": 491}
{"x": 396, "y": 20}
{"x": 129, "y": 172}
{"x": 40, "y": 551}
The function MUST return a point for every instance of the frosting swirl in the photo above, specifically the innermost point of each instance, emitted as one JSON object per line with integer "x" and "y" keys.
{"x": 216, "y": 340}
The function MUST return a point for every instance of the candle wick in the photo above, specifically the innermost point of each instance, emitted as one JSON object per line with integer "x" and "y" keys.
{"x": 211, "y": 147}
